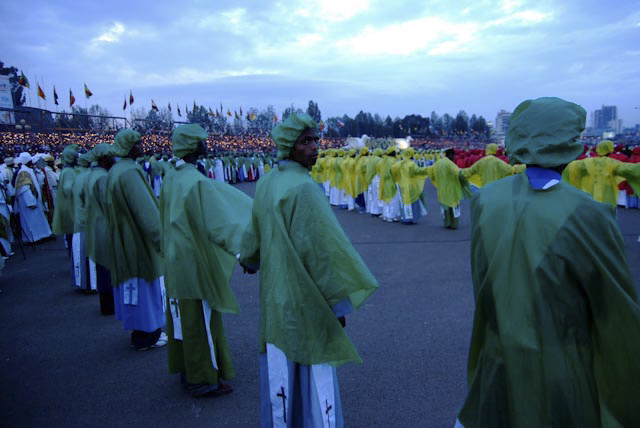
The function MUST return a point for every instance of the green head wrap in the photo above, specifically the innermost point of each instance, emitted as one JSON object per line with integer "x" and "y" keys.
{"x": 408, "y": 153}
{"x": 101, "y": 150}
{"x": 364, "y": 151}
{"x": 85, "y": 159}
{"x": 491, "y": 149}
{"x": 286, "y": 134}
{"x": 544, "y": 132}
{"x": 185, "y": 139}
{"x": 68, "y": 155}
{"x": 604, "y": 148}
{"x": 124, "y": 142}
{"x": 378, "y": 152}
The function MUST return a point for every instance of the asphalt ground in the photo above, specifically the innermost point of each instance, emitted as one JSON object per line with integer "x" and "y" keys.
{"x": 65, "y": 365}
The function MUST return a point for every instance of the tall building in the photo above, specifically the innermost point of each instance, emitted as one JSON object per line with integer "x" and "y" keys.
{"x": 605, "y": 118}
{"x": 501, "y": 126}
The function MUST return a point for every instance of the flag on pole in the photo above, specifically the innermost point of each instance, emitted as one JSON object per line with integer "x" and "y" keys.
{"x": 195, "y": 107}
{"x": 154, "y": 106}
{"x": 124, "y": 106}
{"x": 72, "y": 99}
{"x": 340, "y": 124}
{"x": 130, "y": 97}
{"x": 275, "y": 118}
{"x": 253, "y": 116}
{"x": 321, "y": 125}
{"x": 179, "y": 114}
{"x": 87, "y": 92}
{"x": 22, "y": 80}
{"x": 211, "y": 113}
{"x": 228, "y": 112}
{"x": 55, "y": 95}
{"x": 236, "y": 114}
{"x": 41, "y": 93}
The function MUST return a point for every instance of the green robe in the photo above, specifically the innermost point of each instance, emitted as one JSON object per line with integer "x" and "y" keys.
{"x": 97, "y": 237}
{"x": 556, "y": 325}
{"x": 63, "y": 214}
{"x": 307, "y": 265}
{"x": 134, "y": 224}
{"x": 79, "y": 199}
{"x": 202, "y": 224}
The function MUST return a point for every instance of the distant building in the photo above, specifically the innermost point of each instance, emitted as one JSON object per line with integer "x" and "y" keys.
{"x": 501, "y": 126}
{"x": 606, "y": 119}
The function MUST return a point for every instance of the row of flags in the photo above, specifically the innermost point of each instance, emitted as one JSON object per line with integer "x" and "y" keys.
{"x": 24, "y": 82}
{"x": 250, "y": 116}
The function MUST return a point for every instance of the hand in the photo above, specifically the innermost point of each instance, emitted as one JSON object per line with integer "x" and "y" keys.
{"x": 343, "y": 321}
{"x": 248, "y": 270}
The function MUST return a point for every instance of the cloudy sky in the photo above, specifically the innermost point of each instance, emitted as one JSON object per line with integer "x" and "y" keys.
{"x": 387, "y": 57}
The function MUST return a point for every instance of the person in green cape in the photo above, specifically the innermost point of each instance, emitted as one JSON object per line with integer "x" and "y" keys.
{"x": 557, "y": 318}
{"x": 133, "y": 222}
{"x": 310, "y": 278}
{"x": 203, "y": 221}
{"x": 96, "y": 236}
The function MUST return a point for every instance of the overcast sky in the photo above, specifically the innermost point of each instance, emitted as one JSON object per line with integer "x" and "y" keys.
{"x": 387, "y": 57}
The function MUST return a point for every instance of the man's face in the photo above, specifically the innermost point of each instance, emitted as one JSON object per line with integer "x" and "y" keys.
{"x": 305, "y": 151}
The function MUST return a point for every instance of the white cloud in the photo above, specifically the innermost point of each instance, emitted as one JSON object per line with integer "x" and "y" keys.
{"x": 431, "y": 34}
{"x": 338, "y": 10}
{"x": 112, "y": 35}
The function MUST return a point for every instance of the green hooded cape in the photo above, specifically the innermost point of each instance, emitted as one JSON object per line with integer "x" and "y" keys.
{"x": 307, "y": 265}
{"x": 202, "y": 222}
{"x": 556, "y": 325}
{"x": 134, "y": 224}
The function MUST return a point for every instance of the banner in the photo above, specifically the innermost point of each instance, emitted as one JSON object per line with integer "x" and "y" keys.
{"x": 6, "y": 100}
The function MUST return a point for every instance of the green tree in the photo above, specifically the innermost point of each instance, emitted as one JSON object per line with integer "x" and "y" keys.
{"x": 314, "y": 111}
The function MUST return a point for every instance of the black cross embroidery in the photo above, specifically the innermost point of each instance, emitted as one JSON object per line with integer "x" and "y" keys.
{"x": 327, "y": 412}
{"x": 284, "y": 403}
{"x": 174, "y": 302}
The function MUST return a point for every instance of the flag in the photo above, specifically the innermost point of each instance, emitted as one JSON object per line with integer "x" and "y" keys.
{"x": 22, "y": 80}
{"x": 179, "y": 114}
{"x": 253, "y": 116}
{"x": 340, "y": 124}
{"x": 240, "y": 111}
{"x": 228, "y": 112}
{"x": 169, "y": 106}
{"x": 124, "y": 106}
{"x": 275, "y": 118}
{"x": 154, "y": 106}
{"x": 55, "y": 95}
{"x": 195, "y": 107}
{"x": 87, "y": 92}
{"x": 236, "y": 114}
{"x": 130, "y": 97}
{"x": 41, "y": 93}
{"x": 211, "y": 113}
{"x": 321, "y": 125}
{"x": 72, "y": 99}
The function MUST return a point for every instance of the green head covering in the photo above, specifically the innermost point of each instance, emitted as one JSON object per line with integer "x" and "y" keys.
{"x": 408, "y": 153}
{"x": 101, "y": 150}
{"x": 185, "y": 139}
{"x": 544, "y": 132}
{"x": 604, "y": 148}
{"x": 378, "y": 152}
{"x": 391, "y": 151}
{"x": 364, "y": 151}
{"x": 84, "y": 160}
{"x": 286, "y": 134}
{"x": 68, "y": 155}
{"x": 73, "y": 147}
{"x": 491, "y": 149}
{"x": 124, "y": 142}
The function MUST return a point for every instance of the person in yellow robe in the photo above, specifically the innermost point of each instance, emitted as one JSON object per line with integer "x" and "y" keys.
{"x": 600, "y": 176}
{"x": 389, "y": 196}
{"x": 410, "y": 178}
{"x": 445, "y": 177}
{"x": 489, "y": 168}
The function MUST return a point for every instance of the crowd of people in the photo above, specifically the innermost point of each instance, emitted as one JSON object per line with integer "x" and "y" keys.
{"x": 156, "y": 231}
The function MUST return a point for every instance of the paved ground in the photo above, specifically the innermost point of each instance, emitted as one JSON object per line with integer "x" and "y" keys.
{"x": 65, "y": 365}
